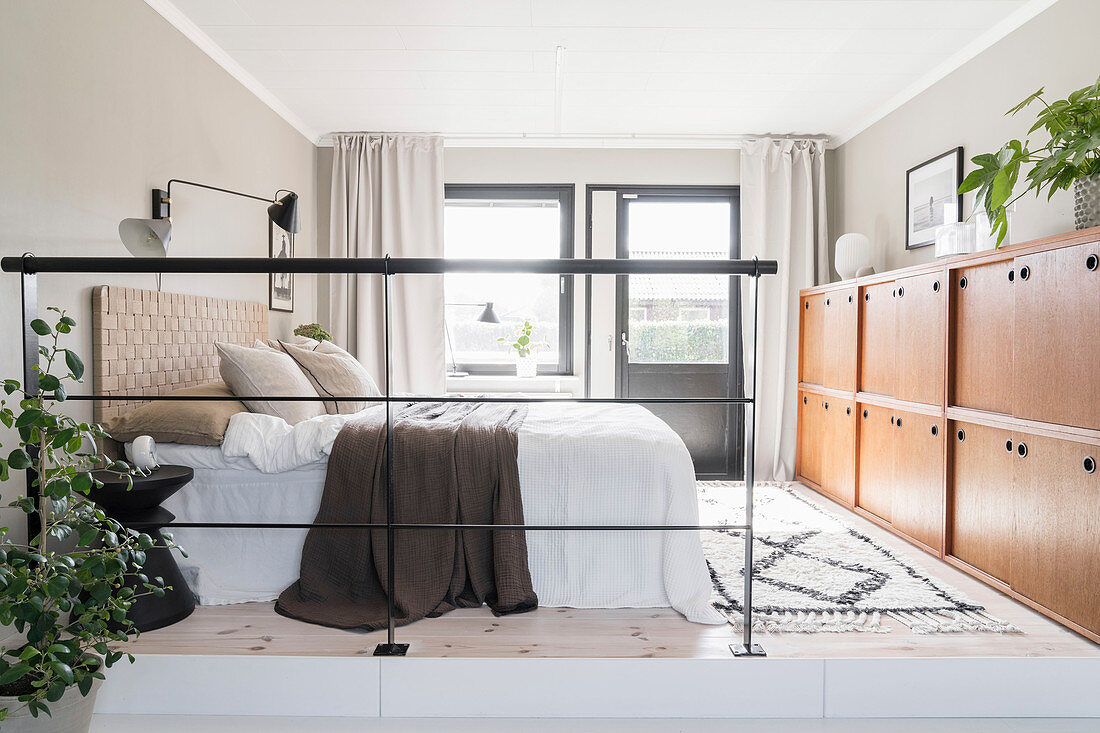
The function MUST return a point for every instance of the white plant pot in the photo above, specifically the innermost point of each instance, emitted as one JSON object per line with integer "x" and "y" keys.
{"x": 71, "y": 714}
{"x": 527, "y": 366}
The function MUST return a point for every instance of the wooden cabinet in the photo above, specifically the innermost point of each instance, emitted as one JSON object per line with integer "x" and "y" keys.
{"x": 1011, "y": 338}
{"x": 981, "y": 346}
{"x": 838, "y": 453}
{"x": 876, "y": 460}
{"x": 1057, "y": 529}
{"x": 920, "y": 324}
{"x": 839, "y": 346}
{"x": 1056, "y": 348}
{"x": 811, "y": 420}
{"x": 918, "y": 478}
{"x": 983, "y": 511}
{"x": 812, "y": 339}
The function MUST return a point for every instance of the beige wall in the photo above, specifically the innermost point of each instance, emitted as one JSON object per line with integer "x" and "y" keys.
{"x": 100, "y": 102}
{"x": 1057, "y": 49}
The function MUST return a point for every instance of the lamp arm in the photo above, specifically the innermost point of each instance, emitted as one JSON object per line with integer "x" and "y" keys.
{"x": 168, "y": 199}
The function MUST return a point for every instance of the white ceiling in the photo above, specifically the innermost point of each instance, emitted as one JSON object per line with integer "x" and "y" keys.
{"x": 646, "y": 67}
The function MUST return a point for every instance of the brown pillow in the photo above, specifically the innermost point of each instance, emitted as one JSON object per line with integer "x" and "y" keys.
{"x": 335, "y": 373}
{"x": 194, "y": 423}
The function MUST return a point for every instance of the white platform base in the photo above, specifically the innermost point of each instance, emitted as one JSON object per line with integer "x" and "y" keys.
{"x": 603, "y": 688}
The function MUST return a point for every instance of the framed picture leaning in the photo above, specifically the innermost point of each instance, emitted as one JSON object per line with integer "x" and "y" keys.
{"x": 280, "y": 290}
{"x": 932, "y": 197}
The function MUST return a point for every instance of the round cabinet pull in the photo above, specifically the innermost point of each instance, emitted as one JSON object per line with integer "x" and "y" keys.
{"x": 961, "y": 435}
{"x": 866, "y": 297}
{"x": 962, "y": 283}
{"x": 807, "y": 305}
{"x": 849, "y": 299}
{"x": 901, "y": 292}
{"x": 1025, "y": 272}
{"x": 864, "y": 414}
{"x": 935, "y": 431}
{"x": 1091, "y": 262}
{"x": 1008, "y": 446}
{"x": 803, "y": 400}
{"x": 828, "y": 301}
{"x": 848, "y": 411}
{"x": 894, "y": 292}
{"x": 1011, "y": 275}
{"x": 1089, "y": 464}
{"x": 826, "y": 405}
{"x": 892, "y": 421}
{"x": 899, "y": 422}
{"x": 936, "y": 287}
{"x": 1021, "y": 450}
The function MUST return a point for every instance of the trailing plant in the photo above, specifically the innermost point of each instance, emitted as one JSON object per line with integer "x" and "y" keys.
{"x": 313, "y": 331}
{"x": 1071, "y": 153}
{"x": 68, "y": 602}
{"x": 522, "y": 339}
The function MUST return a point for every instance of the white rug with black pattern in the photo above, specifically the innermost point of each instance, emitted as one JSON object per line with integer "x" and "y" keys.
{"x": 814, "y": 572}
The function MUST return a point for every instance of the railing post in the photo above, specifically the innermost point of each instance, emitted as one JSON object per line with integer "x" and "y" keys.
{"x": 390, "y": 648}
{"x": 29, "y": 288}
{"x": 746, "y": 648}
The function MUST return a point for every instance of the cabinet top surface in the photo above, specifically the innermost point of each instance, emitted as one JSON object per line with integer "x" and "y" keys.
{"x": 1068, "y": 239}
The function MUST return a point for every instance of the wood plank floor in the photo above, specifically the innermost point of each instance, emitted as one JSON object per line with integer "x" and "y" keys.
{"x": 254, "y": 628}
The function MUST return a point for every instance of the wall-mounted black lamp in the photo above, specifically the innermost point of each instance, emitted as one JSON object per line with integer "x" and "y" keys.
{"x": 150, "y": 237}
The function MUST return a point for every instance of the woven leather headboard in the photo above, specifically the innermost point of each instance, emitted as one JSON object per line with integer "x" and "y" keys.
{"x": 148, "y": 343}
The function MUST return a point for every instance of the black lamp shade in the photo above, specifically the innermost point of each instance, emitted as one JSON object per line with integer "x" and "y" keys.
{"x": 284, "y": 213}
{"x": 488, "y": 315}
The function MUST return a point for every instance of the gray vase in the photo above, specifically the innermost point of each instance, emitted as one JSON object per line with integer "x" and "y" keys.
{"x": 71, "y": 714}
{"x": 1086, "y": 202}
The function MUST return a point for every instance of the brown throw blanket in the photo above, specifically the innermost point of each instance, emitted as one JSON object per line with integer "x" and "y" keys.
{"x": 456, "y": 462}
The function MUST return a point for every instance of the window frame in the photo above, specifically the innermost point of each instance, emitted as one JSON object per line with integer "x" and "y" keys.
{"x": 564, "y": 193}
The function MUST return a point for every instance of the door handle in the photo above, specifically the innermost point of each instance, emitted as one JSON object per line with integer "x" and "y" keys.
{"x": 624, "y": 342}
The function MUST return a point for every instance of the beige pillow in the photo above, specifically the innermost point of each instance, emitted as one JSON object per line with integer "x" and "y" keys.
{"x": 335, "y": 373}
{"x": 303, "y": 341}
{"x": 194, "y": 423}
{"x": 266, "y": 372}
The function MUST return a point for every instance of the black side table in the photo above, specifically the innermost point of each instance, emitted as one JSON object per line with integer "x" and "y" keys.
{"x": 140, "y": 509}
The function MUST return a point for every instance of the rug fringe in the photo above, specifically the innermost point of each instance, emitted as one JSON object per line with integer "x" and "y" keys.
{"x": 811, "y": 622}
{"x": 948, "y": 622}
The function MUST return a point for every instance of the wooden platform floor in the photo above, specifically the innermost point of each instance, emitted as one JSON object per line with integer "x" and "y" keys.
{"x": 255, "y": 629}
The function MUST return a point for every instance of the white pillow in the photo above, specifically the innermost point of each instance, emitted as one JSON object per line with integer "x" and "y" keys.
{"x": 334, "y": 372}
{"x": 266, "y": 372}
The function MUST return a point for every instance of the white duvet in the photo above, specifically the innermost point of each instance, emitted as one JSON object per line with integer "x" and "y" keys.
{"x": 578, "y": 464}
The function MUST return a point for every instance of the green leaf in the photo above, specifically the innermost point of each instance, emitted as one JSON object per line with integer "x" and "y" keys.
{"x": 19, "y": 460}
{"x": 41, "y": 327}
{"x": 15, "y": 672}
{"x": 76, "y": 366}
{"x": 63, "y": 671}
{"x": 28, "y": 417}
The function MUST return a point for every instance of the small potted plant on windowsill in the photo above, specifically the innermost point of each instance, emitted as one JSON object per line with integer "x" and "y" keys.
{"x": 66, "y": 591}
{"x": 525, "y": 347}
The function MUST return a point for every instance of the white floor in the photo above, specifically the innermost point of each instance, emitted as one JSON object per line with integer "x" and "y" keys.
{"x": 214, "y": 724}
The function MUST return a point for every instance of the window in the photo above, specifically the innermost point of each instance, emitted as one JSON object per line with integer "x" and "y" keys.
{"x": 507, "y": 222}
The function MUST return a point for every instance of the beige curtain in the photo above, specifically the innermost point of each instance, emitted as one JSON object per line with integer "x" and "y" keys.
{"x": 387, "y": 199}
{"x": 782, "y": 218}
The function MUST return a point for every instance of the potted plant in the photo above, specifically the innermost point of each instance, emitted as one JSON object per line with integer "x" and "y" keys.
{"x": 1071, "y": 157}
{"x": 522, "y": 341}
{"x": 313, "y": 331}
{"x": 65, "y": 589}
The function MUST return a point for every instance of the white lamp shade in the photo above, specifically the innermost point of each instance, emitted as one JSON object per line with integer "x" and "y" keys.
{"x": 855, "y": 256}
{"x": 146, "y": 237}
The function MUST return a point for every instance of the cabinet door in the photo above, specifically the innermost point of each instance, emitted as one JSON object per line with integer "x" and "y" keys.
{"x": 878, "y": 334}
{"x": 1056, "y": 342}
{"x": 839, "y": 346}
{"x": 982, "y": 498}
{"x": 838, "y": 453}
{"x": 981, "y": 349}
{"x": 876, "y": 460}
{"x": 810, "y": 437}
{"x": 921, "y": 317}
{"x": 1058, "y": 525}
{"x": 918, "y": 477}
{"x": 812, "y": 334}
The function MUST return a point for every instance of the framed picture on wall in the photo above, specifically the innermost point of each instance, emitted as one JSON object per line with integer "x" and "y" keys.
{"x": 932, "y": 197}
{"x": 280, "y": 290}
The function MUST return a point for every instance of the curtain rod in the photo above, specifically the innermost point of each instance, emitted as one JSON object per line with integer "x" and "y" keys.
{"x": 577, "y": 140}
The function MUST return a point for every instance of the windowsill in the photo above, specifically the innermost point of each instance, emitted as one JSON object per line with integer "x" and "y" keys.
{"x": 566, "y": 385}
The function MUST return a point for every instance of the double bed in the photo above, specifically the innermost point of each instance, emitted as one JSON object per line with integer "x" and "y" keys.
{"x": 579, "y": 464}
